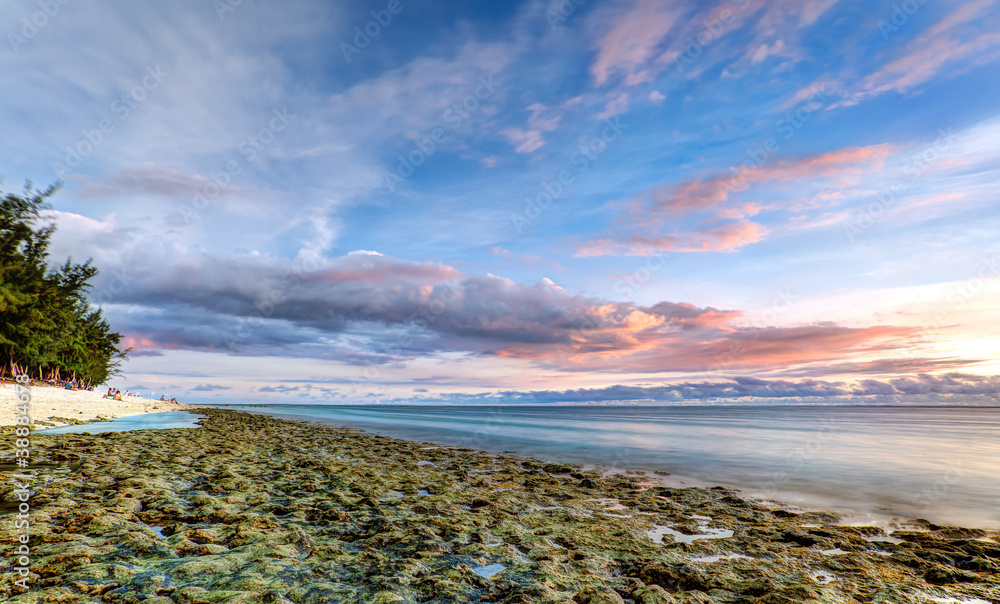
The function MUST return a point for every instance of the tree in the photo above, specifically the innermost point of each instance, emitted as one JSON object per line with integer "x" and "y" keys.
{"x": 48, "y": 329}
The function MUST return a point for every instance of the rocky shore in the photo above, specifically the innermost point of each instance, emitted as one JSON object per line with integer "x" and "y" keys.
{"x": 253, "y": 509}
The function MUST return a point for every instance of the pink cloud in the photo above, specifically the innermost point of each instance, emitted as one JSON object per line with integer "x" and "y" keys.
{"x": 711, "y": 238}
{"x": 704, "y": 343}
{"x": 531, "y": 138}
{"x": 140, "y": 344}
{"x": 710, "y": 214}
{"x": 777, "y": 31}
{"x": 931, "y": 201}
{"x": 689, "y": 316}
{"x": 698, "y": 195}
{"x": 811, "y": 10}
{"x": 632, "y": 42}
{"x": 963, "y": 14}
{"x": 906, "y": 73}
{"x": 763, "y": 51}
{"x": 781, "y": 17}
{"x": 524, "y": 141}
{"x": 651, "y": 36}
{"x": 615, "y": 106}
{"x": 953, "y": 38}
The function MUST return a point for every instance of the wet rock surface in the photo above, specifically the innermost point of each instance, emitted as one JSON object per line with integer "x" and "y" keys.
{"x": 253, "y": 509}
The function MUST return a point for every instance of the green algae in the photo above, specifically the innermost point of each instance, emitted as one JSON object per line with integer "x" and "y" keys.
{"x": 254, "y": 509}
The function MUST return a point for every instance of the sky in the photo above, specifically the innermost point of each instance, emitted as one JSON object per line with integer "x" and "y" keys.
{"x": 540, "y": 201}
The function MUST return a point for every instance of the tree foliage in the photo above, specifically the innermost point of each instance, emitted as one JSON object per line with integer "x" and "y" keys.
{"x": 48, "y": 329}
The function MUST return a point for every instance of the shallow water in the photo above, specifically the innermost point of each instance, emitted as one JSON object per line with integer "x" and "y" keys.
{"x": 938, "y": 463}
{"x": 146, "y": 421}
{"x": 678, "y": 537}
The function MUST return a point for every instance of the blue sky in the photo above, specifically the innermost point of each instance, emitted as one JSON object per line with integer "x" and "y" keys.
{"x": 444, "y": 201}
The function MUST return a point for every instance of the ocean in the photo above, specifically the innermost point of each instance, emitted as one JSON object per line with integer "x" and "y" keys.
{"x": 869, "y": 463}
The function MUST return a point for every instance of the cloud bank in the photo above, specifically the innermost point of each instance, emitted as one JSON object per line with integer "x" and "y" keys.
{"x": 955, "y": 388}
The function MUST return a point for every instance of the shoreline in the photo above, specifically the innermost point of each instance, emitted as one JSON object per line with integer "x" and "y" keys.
{"x": 52, "y": 407}
{"x": 861, "y": 503}
{"x": 847, "y": 514}
{"x": 249, "y": 508}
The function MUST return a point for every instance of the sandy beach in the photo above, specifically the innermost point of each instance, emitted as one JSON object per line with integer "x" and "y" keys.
{"x": 249, "y": 508}
{"x": 51, "y": 407}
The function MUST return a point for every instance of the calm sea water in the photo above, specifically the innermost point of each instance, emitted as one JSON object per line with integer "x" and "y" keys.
{"x": 167, "y": 419}
{"x": 938, "y": 463}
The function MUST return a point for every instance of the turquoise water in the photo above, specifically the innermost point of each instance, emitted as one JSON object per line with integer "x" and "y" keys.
{"x": 938, "y": 463}
{"x": 167, "y": 419}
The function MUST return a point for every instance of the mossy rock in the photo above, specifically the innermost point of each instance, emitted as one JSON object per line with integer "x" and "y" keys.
{"x": 597, "y": 595}
{"x": 557, "y": 468}
{"x": 942, "y": 575}
{"x": 653, "y": 594}
{"x": 386, "y": 597}
{"x": 676, "y": 577}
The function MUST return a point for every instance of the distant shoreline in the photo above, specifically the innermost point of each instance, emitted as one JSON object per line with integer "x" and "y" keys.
{"x": 52, "y": 406}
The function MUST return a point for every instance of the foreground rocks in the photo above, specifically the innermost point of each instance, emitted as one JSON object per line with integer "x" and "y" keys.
{"x": 253, "y": 509}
